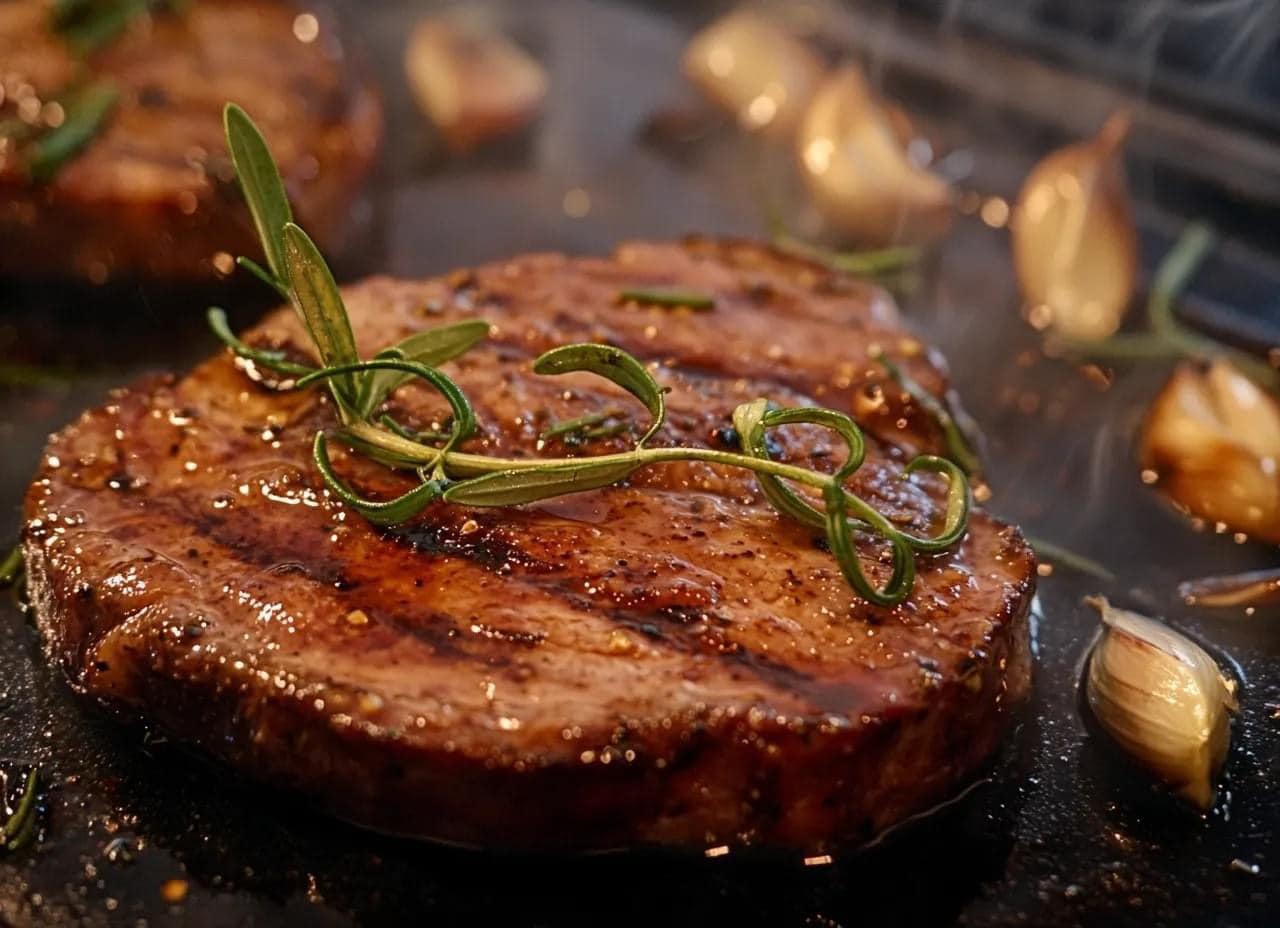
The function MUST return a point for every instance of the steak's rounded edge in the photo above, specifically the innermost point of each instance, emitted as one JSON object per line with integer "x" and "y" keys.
{"x": 668, "y": 663}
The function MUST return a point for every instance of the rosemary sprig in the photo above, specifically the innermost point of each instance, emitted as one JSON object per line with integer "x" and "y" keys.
{"x": 959, "y": 448}
{"x": 446, "y": 474}
{"x": 1167, "y": 337}
{"x": 587, "y": 426}
{"x": 12, "y": 567}
{"x": 1055, "y": 553}
{"x": 88, "y": 25}
{"x": 668, "y": 297}
{"x": 879, "y": 263}
{"x": 85, "y": 112}
{"x": 20, "y": 828}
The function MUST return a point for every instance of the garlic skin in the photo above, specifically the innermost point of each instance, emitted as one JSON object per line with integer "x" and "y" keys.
{"x": 1075, "y": 246}
{"x": 1212, "y": 438}
{"x": 471, "y": 81}
{"x": 1255, "y": 588}
{"x": 856, "y": 168}
{"x": 1163, "y": 699}
{"x": 755, "y": 69}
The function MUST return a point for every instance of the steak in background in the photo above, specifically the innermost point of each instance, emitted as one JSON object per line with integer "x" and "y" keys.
{"x": 154, "y": 194}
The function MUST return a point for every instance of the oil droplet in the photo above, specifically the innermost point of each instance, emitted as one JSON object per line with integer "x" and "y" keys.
{"x": 1040, "y": 316}
{"x": 576, "y": 203}
{"x": 995, "y": 212}
{"x": 620, "y": 642}
{"x": 306, "y": 28}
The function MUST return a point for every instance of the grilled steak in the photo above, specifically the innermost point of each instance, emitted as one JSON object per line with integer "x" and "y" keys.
{"x": 153, "y": 193}
{"x": 668, "y": 661}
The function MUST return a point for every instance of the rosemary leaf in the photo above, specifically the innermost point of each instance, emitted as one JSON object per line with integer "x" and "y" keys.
{"x": 879, "y": 263}
{"x": 512, "y": 488}
{"x": 1070, "y": 559}
{"x": 263, "y": 189}
{"x": 260, "y": 272}
{"x": 431, "y": 348}
{"x": 21, "y": 825}
{"x": 464, "y": 417}
{"x": 319, "y": 302}
{"x": 64, "y": 12}
{"x": 752, "y": 420}
{"x": 401, "y": 509}
{"x": 389, "y": 422}
{"x": 611, "y": 430}
{"x": 12, "y": 567}
{"x": 615, "y": 365}
{"x": 668, "y": 297}
{"x": 840, "y": 537}
{"x": 959, "y": 502}
{"x": 1175, "y": 273}
{"x": 85, "y": 111}
{"x": 272, "y": 360}
{"x": 87, "y": 27}
{"x": 958, "y": 447}
{"x": 580, "y": 424}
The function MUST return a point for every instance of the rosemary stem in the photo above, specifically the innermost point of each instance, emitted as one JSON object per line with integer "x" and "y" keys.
{"x": 470, "y": 465}
{"x": 1174, "y": 274}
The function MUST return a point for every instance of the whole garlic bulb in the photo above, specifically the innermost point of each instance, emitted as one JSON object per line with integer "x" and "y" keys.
{"x": 1075, "y": 246}
{"x": 1212, "y": 440}
{"x": 856, "y": 168}
{"x": 1162, "y": 698}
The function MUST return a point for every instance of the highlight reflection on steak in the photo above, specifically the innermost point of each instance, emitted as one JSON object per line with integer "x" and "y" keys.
{"x": 668, "y": 661}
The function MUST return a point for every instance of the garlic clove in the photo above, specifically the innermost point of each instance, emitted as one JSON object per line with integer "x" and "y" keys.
{"x": 755, "y": 69}
{"x": 1212, "y": 438}
{"x": 1162, "y": 698}
{"x": 1254, "y": 588}
{"x": 856, "y": 168}
{"x": 1075, "y": 246}
{"x": 471, "y": 81}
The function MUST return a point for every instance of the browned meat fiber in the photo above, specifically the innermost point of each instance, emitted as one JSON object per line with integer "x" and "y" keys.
{"x": 666, "y": 662}
{"x": 153, "y": 194}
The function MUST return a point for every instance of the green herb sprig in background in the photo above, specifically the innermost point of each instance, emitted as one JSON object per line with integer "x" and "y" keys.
{"x": 19, "y": 829}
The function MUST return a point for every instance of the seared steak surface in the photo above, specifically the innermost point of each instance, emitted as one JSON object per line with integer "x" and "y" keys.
{"x": 665, "y": 662}
{"x": 154, "y": 193}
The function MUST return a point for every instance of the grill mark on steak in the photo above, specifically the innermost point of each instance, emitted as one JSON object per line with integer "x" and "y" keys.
{"x": 683, "y": 627}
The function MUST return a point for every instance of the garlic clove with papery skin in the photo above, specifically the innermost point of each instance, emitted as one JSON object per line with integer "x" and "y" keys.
{"x": 473, "y": 82}
{"x": 1162, "y": 698}
{"x": 755, "y": 69}
{"x": 857, "y": 170}
{"x": 1075, "y": 246}
{"x": 1212, "y": 443}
